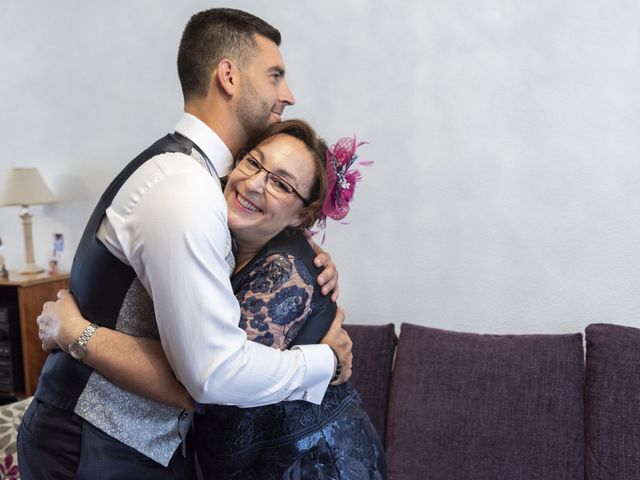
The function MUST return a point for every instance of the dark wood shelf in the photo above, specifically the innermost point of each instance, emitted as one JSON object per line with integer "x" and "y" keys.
{"x": 27, "y": 294}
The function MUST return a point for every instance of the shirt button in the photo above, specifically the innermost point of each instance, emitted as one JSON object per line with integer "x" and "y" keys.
{"x": 184, "y": 415}
{"x": 306, "y": 396}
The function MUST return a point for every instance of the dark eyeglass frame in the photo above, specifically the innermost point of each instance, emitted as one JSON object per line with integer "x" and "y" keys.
{"x": 288, "y": 187}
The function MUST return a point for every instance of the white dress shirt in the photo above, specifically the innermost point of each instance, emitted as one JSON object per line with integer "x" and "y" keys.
{"x": 169, "y": 222}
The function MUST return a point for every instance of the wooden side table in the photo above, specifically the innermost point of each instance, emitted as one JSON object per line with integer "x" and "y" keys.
{"x": 26, "y": 294}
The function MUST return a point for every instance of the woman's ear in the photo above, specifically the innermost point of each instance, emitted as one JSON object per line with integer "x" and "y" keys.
{"x": 297, "y": 221}
{"x": 226, "y": 75}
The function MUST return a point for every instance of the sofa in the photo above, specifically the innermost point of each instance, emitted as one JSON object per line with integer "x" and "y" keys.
{"x": 465, "y": 406}
{"x": 458, "y": 406}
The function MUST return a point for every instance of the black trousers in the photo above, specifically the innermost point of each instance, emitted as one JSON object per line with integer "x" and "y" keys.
{"x": 57, "y": 444}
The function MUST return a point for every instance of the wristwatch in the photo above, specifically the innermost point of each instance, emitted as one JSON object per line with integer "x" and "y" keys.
{"x": 78, "y": 349}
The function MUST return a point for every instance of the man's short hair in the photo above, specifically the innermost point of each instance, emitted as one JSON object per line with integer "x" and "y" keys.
{"x": 213, "y": 35}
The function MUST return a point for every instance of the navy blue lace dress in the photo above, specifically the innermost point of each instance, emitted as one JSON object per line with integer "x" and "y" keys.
{"x": 282, "y": 306}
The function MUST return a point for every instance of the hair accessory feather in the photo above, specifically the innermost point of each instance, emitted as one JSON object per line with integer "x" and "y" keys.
{"x": 341, "y": 181}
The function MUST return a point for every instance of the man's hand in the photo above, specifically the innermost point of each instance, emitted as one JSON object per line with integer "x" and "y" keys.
{"x": 328, "y": 279}
{"x": 60, "y": 322}
{"x": 338, "y": 339}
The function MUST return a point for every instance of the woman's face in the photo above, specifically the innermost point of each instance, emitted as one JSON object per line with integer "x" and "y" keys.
{"x": 256, "y": 211}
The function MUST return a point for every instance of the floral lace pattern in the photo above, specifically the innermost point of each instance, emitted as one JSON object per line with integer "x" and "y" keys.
{"x": 275, "y": 300}
{"x": 293, "y": 440}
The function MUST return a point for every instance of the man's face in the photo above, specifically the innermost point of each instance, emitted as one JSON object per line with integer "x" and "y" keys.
{"x": 264, "y": 92}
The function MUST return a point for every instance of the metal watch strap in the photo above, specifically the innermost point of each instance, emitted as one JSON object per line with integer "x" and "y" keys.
{"x": 78, "y": 349}
{"x": 86, "y": 334}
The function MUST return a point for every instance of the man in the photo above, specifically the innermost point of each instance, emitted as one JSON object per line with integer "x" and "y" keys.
{"x": 162, "y": 224}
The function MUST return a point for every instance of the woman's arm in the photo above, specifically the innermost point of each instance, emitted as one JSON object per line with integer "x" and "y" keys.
{"x": 136, "y": 364}
{"x": 275, "y": 308}
{"x": 276, "y": 299}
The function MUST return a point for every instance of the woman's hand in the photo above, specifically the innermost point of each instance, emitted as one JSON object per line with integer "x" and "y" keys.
{"x": 60, "y": 322}
{"x": 338, "y": 339}
{"x": 328, "y": 279}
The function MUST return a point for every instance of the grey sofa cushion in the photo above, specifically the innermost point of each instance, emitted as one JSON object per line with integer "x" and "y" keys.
{"x": 612, "y": 403}
{"x": 373, "y": 350}
{"x": 486, "y": 407}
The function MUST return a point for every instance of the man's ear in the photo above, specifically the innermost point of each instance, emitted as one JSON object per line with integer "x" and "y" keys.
{"x": 226, "y": 75}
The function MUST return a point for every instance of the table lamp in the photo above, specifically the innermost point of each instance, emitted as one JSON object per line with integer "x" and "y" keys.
{"x": 24, "y": 187}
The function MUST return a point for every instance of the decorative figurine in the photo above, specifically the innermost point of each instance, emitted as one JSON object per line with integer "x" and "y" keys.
{"x": 58, "y": 249}
{"x": 4, "y": 273}
{"x": 53, "y": 267}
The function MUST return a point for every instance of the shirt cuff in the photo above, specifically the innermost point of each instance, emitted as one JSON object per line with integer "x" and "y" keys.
{"x": 319, "y": 362}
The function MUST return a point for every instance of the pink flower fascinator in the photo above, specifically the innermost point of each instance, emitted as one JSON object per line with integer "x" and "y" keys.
{"x": 341, "y": 179}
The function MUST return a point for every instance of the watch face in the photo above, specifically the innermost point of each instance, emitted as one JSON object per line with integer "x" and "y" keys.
{"x": 77, "y": 351}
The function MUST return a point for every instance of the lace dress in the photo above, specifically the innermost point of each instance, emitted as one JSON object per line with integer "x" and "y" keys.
{"x": 282, "y": 306}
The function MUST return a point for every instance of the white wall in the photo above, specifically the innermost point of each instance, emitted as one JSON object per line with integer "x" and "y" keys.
{"x": 505, "y": 134}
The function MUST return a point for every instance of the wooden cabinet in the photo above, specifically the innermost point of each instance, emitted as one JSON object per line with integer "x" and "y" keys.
{"x": 24, "y": 295}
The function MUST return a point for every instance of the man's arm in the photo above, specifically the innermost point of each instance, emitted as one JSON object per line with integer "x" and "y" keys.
{"x": 135, "y": 364}
{"x": 138, "y": 364}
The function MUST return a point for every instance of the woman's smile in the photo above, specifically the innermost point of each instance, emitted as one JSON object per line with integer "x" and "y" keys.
{"x": 246, "y": 204}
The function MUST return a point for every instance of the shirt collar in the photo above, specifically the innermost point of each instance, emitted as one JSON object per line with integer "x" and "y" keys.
{"x": 209, "y": 142}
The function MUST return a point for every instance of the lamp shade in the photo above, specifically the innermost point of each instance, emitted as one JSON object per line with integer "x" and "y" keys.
{"x": 25, "y": 186}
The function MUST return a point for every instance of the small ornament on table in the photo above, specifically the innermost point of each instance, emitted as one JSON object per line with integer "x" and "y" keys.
{"x": 58, "y": 251}
{"x": 53, "y": 267}
{"x": 4, "y": 273}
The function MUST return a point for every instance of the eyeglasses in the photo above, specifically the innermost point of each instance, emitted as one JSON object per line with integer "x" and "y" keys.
{"x": 276, "y": 185}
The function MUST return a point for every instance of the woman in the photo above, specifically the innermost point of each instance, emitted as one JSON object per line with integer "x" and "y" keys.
{"x": 280, "y": 307}
{"x": 276, "y": 191}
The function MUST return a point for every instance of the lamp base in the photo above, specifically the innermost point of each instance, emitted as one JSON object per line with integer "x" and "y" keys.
{"x": 31, "y": 269}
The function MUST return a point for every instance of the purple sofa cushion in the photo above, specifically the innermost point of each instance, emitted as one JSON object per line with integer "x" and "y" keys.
{"x": 486, "y": 407}
{"x": 373, "y": 350}
{"x": 612, "y": 403}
